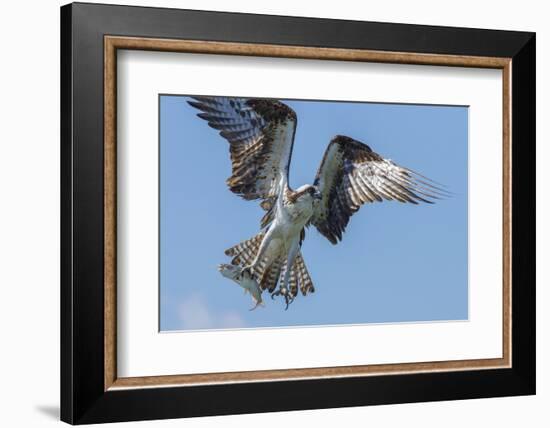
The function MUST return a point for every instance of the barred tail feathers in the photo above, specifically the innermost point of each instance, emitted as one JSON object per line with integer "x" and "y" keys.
{"x": 301, "y": 276}
{"x": 244, "y": 253}
{"x": 269, "y": 276}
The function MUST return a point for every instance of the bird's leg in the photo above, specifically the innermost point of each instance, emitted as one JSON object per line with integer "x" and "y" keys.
{"x": 259, "y": 255}
{"x": 283, "y": 288}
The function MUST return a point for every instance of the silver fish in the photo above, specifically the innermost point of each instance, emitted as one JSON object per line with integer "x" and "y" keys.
{"x": 245, "y": 280}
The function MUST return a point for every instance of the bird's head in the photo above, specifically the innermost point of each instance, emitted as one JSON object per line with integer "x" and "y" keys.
{"x": 309, "y": 192}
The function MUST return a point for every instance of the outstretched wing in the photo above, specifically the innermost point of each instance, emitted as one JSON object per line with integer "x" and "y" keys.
{"x": 351, "y": 174}
{"x": 260, "y": 133}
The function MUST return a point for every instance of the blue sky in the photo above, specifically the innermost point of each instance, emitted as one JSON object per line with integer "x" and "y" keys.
{"x": 396, "y": 263}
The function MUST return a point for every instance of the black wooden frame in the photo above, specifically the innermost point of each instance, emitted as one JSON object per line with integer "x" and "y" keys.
{"x": 83, "y": 399}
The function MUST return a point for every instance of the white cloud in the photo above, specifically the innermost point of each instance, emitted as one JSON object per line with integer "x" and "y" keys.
{"x": 232, "y": 320}
{"x": 194, "y": 314}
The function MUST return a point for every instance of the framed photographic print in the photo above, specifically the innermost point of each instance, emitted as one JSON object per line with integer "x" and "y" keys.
{"x": 265, "y": 213}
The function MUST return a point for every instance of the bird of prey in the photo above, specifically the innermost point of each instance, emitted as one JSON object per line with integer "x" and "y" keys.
{"x": 261, "y": 134}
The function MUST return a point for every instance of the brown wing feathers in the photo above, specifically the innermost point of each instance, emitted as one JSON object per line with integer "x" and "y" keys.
{"x": 253, "y": 128}
{"x": 351, "y": 174}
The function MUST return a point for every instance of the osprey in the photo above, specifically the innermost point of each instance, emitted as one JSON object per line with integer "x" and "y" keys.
{"x": 261, "y": 133}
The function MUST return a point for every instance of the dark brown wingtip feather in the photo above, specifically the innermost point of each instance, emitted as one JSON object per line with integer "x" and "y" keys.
{"x": 195, "y": 104}
{"x": 351, "y": 143}
{"x": 203, "y": 99}
{"x": 272, "y": 110}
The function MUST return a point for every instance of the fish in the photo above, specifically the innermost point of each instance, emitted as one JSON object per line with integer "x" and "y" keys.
{"x": 245, "y": 280}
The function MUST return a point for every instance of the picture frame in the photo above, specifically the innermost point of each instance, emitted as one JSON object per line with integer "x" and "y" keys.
{"x": 91, "y": 36}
